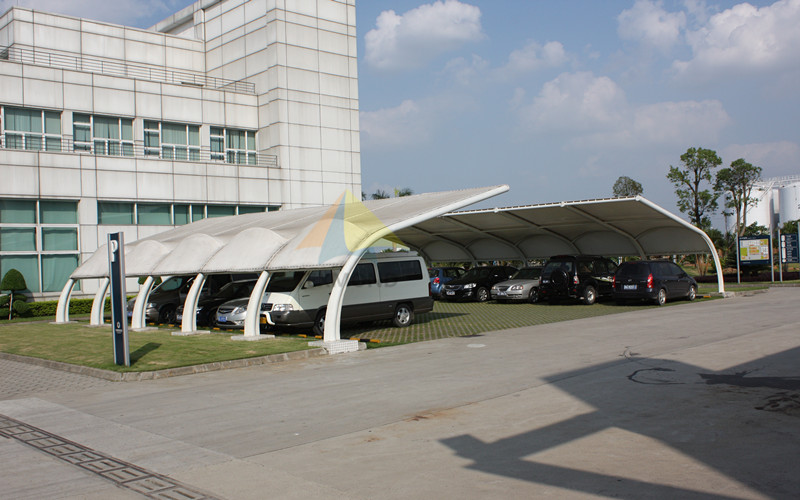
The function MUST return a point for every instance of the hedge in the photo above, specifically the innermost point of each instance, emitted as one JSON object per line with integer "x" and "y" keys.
{"x": 48, "y": 308}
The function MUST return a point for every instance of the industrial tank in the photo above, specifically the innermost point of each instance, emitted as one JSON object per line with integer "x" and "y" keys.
{"x": 789, "y": 202}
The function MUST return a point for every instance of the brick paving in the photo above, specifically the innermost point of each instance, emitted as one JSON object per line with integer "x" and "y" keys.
{"x": 459, "y": 319}
{"x": 23, "y": 379}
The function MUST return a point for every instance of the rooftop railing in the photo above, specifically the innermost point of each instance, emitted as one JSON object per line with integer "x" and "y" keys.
{"x": 114, "y": 68}
{"x": 24, "y": 141}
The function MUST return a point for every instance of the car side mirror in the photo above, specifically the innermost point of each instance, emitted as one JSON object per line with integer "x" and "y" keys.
{"x": 308, "y": 284}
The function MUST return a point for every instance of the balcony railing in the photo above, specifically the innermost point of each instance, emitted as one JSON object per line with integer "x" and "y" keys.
{"x": 113, "y": 68}
{"x": 23, "y": 141}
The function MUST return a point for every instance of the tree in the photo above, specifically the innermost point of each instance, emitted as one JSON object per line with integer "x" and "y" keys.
{"x": 693, "y": 199}
{"x": 398, "y": 193}
{"x": 625, "y": 186}
{"x": 739, "y": 181}
{"x": 380, "y": 195}
{"x": 13, "y": 281}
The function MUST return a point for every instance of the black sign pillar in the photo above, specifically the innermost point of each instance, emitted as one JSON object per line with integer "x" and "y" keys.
{"x": 119, "y": 319}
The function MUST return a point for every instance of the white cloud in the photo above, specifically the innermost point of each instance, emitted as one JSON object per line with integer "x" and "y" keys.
{"x": 648, "y": 23}
{"x": 744, "y": 39}
{"x": 577, "y": 102}
{"x": 464, "y": 71}
{"x": 594, "y": 112}
{"x": 394, "y": 127}
{"x": 775, "y": 158}
{"x": 535, "y": 56}
{"x": 125, "y": 12}
{"x": 412, "y": 39}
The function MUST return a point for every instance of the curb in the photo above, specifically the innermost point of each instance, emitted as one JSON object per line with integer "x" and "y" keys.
{"x": 169, "y": 372}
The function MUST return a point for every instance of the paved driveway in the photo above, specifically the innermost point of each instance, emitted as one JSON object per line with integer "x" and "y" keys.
{"x": 691, "y": 401}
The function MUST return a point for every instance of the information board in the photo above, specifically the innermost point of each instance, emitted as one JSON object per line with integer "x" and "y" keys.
{"x": 754, "y": 250}
{"x": 790, "y": 252}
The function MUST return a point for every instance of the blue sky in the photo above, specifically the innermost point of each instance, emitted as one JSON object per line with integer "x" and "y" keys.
{"x": 557, "y": 98}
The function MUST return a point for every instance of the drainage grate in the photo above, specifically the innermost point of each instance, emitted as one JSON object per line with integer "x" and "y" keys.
{"x": 118, "y": 472}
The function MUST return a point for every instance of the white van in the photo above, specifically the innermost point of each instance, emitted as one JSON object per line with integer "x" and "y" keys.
{"x": 383, "y": 286}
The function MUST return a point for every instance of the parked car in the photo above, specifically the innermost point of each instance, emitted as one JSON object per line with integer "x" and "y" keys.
{"x": 231, "y": 314}
{"x": 476, "y": 283}
{"x": 523, "y": 286}
{"x": 384, "y": 286}
{"x": 653, "y": 280}
{"x": 440, "y": 276}
{"x": 207, "y": 306}
{"x": 583, "y": 277}
{"x": 164, "y": 300}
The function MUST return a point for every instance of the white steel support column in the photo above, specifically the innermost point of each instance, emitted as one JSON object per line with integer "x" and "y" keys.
{"x": 252, "y": 329}
{"x": 138, "y": 320}
{"x": 99, "y": 303}
{"x": 189, "y": 321}
{"x": 62, "y": 310}
{"x": 333, "y": 314}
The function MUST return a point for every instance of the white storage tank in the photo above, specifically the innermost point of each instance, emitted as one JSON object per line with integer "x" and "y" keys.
{"x": 789, "y": 202}
{"x": 761, "y": 212}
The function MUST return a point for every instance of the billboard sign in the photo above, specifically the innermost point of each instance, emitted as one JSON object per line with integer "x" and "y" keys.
{"x": 754, "y": 250}
{"x": 790, "y": 251}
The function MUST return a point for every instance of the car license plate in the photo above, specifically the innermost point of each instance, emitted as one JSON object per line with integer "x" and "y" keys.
{"x": 501, "y": 294}
{"x": 179, "y": 317}
{"x": 545, "y": 281}
{"x": 629, "y": 287}
{"x": 223, "y": 319}
{"x": 450, "y": 292}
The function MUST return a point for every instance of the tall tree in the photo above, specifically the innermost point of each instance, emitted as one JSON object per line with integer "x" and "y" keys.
{"x": 695, "y": 200}
{"x": 625, "y": 186}
{"x": 380, "y": 195}
{"x": 739, "y": 180}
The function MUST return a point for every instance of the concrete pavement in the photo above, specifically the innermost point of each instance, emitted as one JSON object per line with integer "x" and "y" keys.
{"x": 692, "y": 401}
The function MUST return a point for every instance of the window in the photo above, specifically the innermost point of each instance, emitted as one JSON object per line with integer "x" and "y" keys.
{"x": 320, "y": 277}
{"x": 220, "y": 210}
{"x": 153, "y": 214}
{"x": 111, "y": 212}
{"x": 32, "y": 129}
{"x": 105, "y": 135}
{"x": 39, "y": 238}
{"x": 404, "y": 270}
{"x": 233, "y": 145}
{"x": 363, "y": 274}
{"x": 172, "y": 141}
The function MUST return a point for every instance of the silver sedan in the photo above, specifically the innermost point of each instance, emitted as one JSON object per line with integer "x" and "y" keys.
{"x": 522, "y": 287}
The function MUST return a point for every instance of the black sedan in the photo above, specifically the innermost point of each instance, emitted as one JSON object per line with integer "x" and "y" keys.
{"x": 475, "y": 285}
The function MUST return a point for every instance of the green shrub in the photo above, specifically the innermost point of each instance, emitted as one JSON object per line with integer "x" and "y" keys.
{"x": 3, "y": 313}
{"x": 13, "y": 281}
{"x": 22, "y": 308}
{"x": 3, "y": 300}
{"x": 47, "y": 308}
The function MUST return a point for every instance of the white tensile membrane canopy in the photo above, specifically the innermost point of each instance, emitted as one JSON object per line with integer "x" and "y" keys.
{"x": 336, "y": 236}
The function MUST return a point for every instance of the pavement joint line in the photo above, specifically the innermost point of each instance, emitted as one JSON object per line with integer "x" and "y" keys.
{"x": 122, "y": 474}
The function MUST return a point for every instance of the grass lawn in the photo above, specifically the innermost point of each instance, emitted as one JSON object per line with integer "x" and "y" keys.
{"x": 79, "y": 344}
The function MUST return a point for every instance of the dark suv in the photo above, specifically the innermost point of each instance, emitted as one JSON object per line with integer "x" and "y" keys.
{"x": 476, "y": 283}
{"x": 656, "y": 280}
{"x": 584, "y": 277}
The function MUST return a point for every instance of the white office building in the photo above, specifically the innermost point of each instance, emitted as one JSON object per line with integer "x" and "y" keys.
{"x": 227, "y": 107}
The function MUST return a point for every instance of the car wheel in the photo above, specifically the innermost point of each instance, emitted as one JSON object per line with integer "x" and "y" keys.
{"x": 533, "y": 296}
{"x": 168, "y": 314}
{"x": 589, "y": 295}
{"x": 403, "y": 316}
{"x": 482, "y": 294}
{"x": 319, "y": 324}
{"x": 661, "y": 298}
{"x": 692, "y": 293}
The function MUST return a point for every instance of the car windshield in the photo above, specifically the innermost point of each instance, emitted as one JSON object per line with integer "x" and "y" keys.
{"x": 477, "y": 273}
{"x": 235, "y": 290}
{"x": 172, "y": 283}
{"x": 528, "y": 273}
{"x": 284, "y": 281}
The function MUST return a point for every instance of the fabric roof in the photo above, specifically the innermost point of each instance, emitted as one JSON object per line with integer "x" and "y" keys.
{"x": 325, "y": 236}
{"x": 288, "y": 239}
{"x": 611, "y": 227}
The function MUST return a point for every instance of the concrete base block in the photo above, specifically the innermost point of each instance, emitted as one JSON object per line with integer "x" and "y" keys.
{"x": 188, "y": 334}
{"x": 252, "y": 337}
{"x": 145, "y": 329}
{"x": 337, "y": 346}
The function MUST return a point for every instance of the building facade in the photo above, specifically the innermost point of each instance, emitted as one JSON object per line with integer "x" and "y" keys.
{"x": 227, "y": 107}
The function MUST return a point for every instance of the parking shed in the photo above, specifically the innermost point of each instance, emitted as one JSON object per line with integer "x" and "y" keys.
{"x": 337, "y": 236}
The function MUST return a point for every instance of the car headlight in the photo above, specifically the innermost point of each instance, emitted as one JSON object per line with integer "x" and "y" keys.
{"x": 151, "y": 305}
{"x": 239, "y": 310}
{"x": 516, "y": 287}
{"x": 282, "y": 308}
{"x": 469, "y": 285}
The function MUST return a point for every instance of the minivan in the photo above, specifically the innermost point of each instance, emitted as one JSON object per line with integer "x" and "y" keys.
{"x": 653, "y": 280}
{"x": 390, "y": 285}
